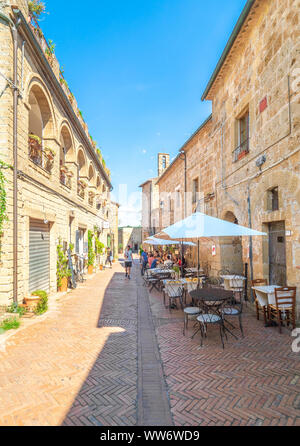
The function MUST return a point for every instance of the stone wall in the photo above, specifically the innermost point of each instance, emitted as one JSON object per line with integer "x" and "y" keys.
{"x": 131, "y": 236}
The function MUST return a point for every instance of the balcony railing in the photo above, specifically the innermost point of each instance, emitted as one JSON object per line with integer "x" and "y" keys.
{"x": 241, "y": 150}
{"x": 41, "y": 156}
{"x": 65, "y": 176}
{"x": 81, "y": 189}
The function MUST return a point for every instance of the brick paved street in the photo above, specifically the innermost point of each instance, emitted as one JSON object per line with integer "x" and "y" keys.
{"x": 110, "y": 355}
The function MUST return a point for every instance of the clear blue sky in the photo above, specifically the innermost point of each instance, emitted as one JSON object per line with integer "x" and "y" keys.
{"x": 137, "y": 69}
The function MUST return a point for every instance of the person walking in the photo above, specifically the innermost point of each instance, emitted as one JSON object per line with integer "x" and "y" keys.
{"x": 109, "y": 258}
{"x": 144, "y": 262}
{"x": 128, "y": 261}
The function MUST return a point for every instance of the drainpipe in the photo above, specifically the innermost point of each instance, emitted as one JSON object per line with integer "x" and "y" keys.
{"x": 13, "y": 28}
{"x": 250, "y": 240}
{"x": 185, "y": 182}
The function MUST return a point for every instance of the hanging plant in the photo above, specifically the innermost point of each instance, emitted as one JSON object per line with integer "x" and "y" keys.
{"x": 91, "y": 252}
{"x": 99, "y": 246}
{"x": 36, "y": 8}
{"x": 3, "y": 216}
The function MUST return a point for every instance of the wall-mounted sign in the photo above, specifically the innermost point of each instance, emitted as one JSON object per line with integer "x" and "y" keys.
{"x": 213, "y": 250}
{"x": 263, "y": 104}
{"x": 106, "y": 225}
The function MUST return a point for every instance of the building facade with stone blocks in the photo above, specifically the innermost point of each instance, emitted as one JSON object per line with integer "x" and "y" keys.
{"x": 249, "y": 163}
{"x": 63, "y": 185}
{"x": 150, "y": 198}
{"x": 114, "y": 227}
{"x": 130, "y": 235}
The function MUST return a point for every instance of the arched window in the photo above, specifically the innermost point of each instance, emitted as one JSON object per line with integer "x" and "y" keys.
{"x": 81, "y": 171}
{"x": 40, "y": 126}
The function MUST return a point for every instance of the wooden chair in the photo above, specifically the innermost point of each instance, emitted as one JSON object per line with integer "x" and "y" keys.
{"x": 264, "y": 308}
{"x": 285, "y": 306}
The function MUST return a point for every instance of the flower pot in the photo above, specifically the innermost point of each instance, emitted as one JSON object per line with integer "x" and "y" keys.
{"x": 241, "y": 155}
{"x": 31, "y": 302}
{"x": 101, "y": 267}
{"x": 64, "y": 285}
{"x": 50, "y": 156}
{"x": 90, "y": 269}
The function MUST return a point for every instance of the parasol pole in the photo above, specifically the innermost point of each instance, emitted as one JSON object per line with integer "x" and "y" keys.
{"x": 182, "y": 258}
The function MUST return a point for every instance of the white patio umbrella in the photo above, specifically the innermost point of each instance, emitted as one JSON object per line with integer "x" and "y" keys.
{"x": 164, "y": 242}
{"x": 200, "y": 225}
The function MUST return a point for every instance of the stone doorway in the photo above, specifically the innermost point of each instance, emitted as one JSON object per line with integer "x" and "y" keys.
{"x": 231, "y": 250}
{"x": 277, "y": 253}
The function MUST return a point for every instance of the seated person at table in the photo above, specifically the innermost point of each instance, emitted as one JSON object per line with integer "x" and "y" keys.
{"x": 168, "y": 262}
{"x": 150, "y": 259}
{"x": 154, "y": 263}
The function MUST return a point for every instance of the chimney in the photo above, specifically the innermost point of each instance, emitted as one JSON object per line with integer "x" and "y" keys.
{"x": 163, "y": 162}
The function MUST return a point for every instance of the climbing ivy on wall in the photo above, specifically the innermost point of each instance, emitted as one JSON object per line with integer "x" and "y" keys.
{"x": 3, "y": 216}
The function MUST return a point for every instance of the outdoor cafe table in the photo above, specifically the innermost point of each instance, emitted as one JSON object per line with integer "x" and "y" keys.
{"x": 211, "y": 295}
{"x": 193, "y": 270}
{"x": 232, "y": 281}
{"x": 265, "y": 294}
{"x": 157, "y": 271}
{"x": 215, "y": 298}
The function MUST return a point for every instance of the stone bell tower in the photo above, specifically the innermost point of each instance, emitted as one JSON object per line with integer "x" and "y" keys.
{"x": 163, "y": 162}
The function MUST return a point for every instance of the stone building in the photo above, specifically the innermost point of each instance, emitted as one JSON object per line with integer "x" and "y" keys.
{"x": 243, "y": 163}
{"x": 130, "y": 235}
{"x": 114, "y": 228}
{"x": 150, "y": 198}
{"x": 59, "y": 186}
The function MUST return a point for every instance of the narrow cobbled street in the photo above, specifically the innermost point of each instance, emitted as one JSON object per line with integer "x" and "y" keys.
{"x": 111, "y": 354}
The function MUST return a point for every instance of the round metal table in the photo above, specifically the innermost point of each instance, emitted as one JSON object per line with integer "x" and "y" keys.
{"x": 211, "y": 294}
{"x": 213, "y": 300}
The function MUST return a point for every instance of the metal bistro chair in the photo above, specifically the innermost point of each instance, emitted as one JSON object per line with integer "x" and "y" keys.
{"x": 260, "y": 308}
{"x": 212, "y": 313}
{"x": 174, "y": 290}
{"x": 285, "y": 306}
{"x": 191, "y": 285}
{"x": 210, "y": 317}
{"x": 234, "y": 309}
{"x": 190, "y": 313}
{"x": 146, "y": 277}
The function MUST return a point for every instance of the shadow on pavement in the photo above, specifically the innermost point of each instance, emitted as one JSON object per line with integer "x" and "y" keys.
{"x": 108, "y": 395}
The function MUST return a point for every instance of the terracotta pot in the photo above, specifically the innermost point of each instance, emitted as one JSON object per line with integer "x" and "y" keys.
{"x": 31, "y": 302}
{"x": 64, "y": 285}
{"x": 90, "y": 269}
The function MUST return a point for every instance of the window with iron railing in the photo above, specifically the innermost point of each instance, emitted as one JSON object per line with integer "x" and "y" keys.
{"x": 38, "y": 154}
{"x": 242, "y": 132}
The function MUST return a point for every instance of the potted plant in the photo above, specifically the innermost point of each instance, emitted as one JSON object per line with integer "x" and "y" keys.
{"x": 33, "y": 301}
{"x": 35, "y": 144}
{"x": 177, "y": 271}
{"x": 99, "y": 247}
{"x": 69, "y": 174}
{"x": 91, "y": 253}
{"x": 63, "y": 168}
{"x": 62, "y": 269}
{"x": 50, "y": 153}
